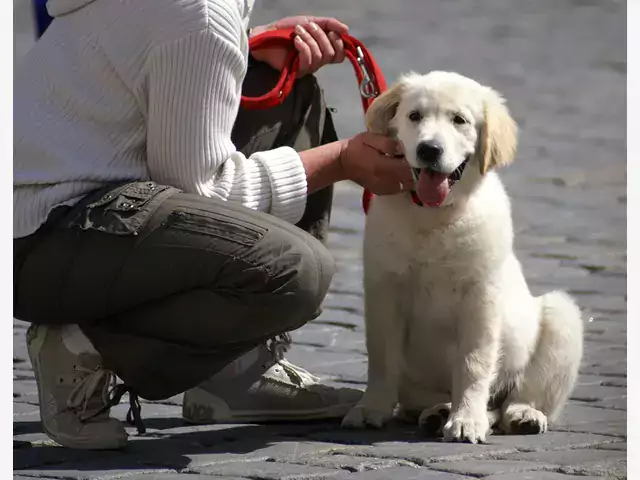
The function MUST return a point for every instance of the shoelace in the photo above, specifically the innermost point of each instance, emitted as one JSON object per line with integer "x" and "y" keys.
{"x": 278, "y": 347}
{"x": 87, "y": 387}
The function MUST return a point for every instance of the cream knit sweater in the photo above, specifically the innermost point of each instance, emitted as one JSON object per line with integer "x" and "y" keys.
{"x": 121, "y": 90}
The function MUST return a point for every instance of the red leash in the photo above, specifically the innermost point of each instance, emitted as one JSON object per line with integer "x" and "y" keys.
{"x": 371, "y": 82}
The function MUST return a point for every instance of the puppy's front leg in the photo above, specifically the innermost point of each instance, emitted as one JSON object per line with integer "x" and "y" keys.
{"x": 385, "y": 330}
{"x": 474, "y": 366}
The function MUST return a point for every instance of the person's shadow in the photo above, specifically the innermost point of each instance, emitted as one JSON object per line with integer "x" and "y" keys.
{"x": 170, "y": 443}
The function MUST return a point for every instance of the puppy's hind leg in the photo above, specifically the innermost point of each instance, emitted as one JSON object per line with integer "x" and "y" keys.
{"x": 551, "y": 374}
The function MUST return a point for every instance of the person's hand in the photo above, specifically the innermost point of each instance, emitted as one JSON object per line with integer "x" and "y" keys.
{"x": 317, "y": 41}
{"x": 376, "y": 163}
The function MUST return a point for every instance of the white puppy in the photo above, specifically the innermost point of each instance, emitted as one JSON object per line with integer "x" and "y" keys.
{"x": 454, "y": 337}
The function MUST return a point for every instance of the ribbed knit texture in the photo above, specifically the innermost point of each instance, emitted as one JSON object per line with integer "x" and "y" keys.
{"x": 141, "y": 90}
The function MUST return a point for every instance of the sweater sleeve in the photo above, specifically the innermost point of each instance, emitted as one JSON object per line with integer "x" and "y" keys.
{"x": 194, "y": 88}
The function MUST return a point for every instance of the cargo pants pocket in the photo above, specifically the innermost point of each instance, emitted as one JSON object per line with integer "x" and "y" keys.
{"x": 124, "y": 209}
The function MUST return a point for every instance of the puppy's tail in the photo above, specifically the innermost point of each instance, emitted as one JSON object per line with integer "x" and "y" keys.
{"x": 559, "y": 351}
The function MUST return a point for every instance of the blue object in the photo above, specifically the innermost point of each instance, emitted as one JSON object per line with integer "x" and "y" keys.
{"x": 43, "y": 20}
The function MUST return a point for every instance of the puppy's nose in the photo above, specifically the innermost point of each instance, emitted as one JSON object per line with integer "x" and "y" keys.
{"x": 429, "y": 153}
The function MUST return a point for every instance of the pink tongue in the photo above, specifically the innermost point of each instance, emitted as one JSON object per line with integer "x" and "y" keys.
{"x": 432, "y": 188}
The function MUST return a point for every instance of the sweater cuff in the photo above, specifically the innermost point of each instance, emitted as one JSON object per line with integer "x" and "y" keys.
{"x": 288, "y": 182}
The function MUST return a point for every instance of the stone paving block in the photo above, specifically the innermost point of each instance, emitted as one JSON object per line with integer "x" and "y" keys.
{"x": 24, "y": 477}
{"x": 408, "y": 444}
{"x": 150, "y": 411}
{"x": 616, "y": 369}
{"x": 25, "y": 396}
{"x": 598, "y": 380}
{"x": 349, "y": 301}
{"x": 179, "y": 476}
{"x": 52, "y": 454}
{"x": 611, "y": 403}
{"x": 350, "y": 463}
{"x": 538, "y": 476}
{"x": 401, "y": 473}
{"x": 214, "y": 435}
{"x": 26, "y": 424}
{"x": 350, "y": 367}
{"x": 96, "y": 469}
{"x": 32, "y": 439}
{"x": 19, "y": 324}
{"x": 340, "y": 317}
{"x": 594, "y": 393}
{"x": 197, "y": 457}
{"x": 268, "y": 471}
{"x": 579, "y": 462}
{"x": 622, "y": 446}
{"x": 19, "y": 409}
{"x": 20, "y": 375}
{"x": 480, "y": 468}
{"x": 330, "y": 338}
{"x": 582, "y": 418}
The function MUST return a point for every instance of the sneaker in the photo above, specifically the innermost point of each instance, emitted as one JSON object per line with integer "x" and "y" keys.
{"x": 271, "y": 390}
{"x": 73, "y": 391}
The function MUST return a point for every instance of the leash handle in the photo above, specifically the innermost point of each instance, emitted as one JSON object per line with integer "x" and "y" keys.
{"x": 371, "y": 81}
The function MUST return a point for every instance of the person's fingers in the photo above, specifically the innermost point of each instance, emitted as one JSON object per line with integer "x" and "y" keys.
{"x": 338, "y": 47}
{"x": 395, "y": 169}
{"x": 402, "y": 171}
{"x": 381, "y": 143}
{"x": 304, "y": 54}
{"x": 314, "y": 48}
{"x": 330, "y": 24}
{"x": 326, "y": 48}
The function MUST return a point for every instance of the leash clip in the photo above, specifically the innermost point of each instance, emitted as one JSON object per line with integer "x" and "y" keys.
{"x": 367, "y": 88}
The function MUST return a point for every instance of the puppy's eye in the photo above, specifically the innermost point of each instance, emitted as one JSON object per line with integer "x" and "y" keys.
{"x": 415, "y": 116}
{"x": 459, "y": 120}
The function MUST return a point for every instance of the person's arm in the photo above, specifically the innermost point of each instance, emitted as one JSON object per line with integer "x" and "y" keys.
{"x": 194, "y": 88}
{"x": 322, "y": 165}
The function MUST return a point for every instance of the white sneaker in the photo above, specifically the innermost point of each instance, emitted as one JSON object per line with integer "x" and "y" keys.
{"x": 271, "y": 390}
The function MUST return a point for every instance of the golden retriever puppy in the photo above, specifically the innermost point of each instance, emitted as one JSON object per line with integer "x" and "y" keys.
{"x": 454, "y": 337}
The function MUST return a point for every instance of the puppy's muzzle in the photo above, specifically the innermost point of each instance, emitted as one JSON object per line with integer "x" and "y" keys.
{"x": 429, "y": 155}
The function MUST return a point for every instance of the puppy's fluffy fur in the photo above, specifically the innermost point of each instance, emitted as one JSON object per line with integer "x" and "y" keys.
{"x": 454, "y": 336}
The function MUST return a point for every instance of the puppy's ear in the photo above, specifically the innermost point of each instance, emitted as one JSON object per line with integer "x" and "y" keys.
{"x": 499, "y": 137}
{"x": 383, "y": 109}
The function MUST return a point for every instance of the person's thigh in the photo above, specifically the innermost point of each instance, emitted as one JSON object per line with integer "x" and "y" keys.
{"x": 81, "y": 271}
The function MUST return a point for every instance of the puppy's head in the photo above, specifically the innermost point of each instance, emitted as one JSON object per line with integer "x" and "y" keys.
{"x": 446, "y": 124}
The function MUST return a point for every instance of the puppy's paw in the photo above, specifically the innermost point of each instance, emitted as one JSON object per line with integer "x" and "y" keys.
{"x": 523, "y": 419}
{"x": 363, "y": 417}
{"x": 432, "y": 420}
{"x": 467, "y": 426}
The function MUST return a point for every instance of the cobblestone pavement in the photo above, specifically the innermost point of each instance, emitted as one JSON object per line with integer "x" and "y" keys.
{"x": 561, "y": 65}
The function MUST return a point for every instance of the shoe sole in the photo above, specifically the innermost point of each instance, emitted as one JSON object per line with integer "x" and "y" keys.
{"x": 215, "y": 410}
{"x": 256, "y": 416}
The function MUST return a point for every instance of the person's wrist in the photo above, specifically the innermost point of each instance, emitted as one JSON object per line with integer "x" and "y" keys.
{"x": 343, "y": 159}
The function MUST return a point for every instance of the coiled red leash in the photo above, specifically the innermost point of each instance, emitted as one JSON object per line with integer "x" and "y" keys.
{"x": 371, "y": 82}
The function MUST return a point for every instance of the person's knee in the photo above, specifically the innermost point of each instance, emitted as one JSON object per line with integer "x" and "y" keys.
{"x": 301, "y": 286}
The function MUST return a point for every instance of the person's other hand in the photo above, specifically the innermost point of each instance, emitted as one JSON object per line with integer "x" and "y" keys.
{"x": 317, "y": 41}
{"x": 376, "y": 163}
